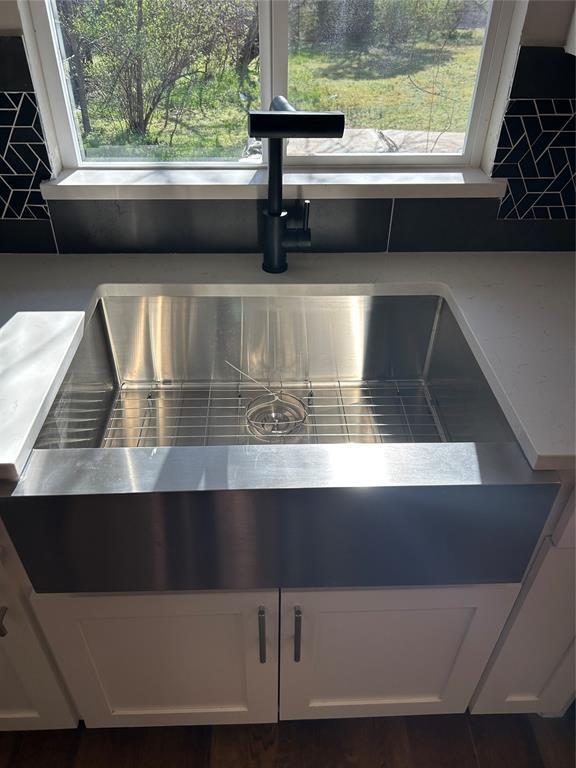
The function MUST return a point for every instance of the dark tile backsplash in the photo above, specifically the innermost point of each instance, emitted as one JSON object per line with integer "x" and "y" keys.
{"x": 537, "y": 144}
{"x": 158, "y": 226}
{"x": 536, "y": 154}
{"x": 98, "y": 226}
{"x": 23, "y": 158}
{"x": 24, "y": 219}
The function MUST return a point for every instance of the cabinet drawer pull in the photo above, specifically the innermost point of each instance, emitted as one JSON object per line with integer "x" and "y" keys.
{"x": 297, "y": 633}
{"x": 262, "y": 634}
{"x": 3, "y": 612}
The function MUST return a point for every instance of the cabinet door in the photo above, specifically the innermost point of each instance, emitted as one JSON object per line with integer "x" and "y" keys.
{"x": 377, "y": 652}
{"x": 30, "y": 695}
{"x": 167, "y": 659}
{"x": 533, "y": 669}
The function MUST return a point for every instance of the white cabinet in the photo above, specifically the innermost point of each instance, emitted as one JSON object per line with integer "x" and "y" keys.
{"x": 363, "y": 653}
{"x": 533, "y": 669}
{"x": 212, "y": 657}
{"x": 171, "y": 659}
{"x": 30, "y": 695}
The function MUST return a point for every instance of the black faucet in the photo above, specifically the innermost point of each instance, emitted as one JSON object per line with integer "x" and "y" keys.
{"x": 281, "y": 122}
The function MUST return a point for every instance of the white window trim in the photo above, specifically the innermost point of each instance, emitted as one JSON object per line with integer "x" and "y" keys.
{"x": 500, "y": 48}
{"x": 202, "y": 184}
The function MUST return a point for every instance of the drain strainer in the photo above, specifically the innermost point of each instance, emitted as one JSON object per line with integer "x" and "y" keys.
{"x": 275, "y": 415}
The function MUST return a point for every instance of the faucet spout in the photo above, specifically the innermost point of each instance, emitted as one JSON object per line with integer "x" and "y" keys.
{"x": 283, "y": 121}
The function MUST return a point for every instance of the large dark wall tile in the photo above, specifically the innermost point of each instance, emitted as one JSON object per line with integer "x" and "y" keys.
{"x": 14, "y": 72}
{"x": 546, "y": 73}
{"x": 130, "y": 226}
{"x": 17, "y": 236}
{"x": 471, "y": 225}
{"x": 96, "y": 226}
{"x": 350, "y": 225}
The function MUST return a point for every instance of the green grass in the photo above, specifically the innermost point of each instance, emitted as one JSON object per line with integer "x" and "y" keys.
{"x": 379, "y": 90}
{"x": 375, "y": 88}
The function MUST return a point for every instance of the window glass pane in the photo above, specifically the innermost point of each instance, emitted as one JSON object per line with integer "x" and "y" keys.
{"x": 403, "y": 71}
{"x": 161, "y": 80}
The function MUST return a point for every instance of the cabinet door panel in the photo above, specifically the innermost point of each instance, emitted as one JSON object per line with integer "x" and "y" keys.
{"x": 533, "y": 669}
{"x": 166, "y": 659}
{"x": 30, "y": 695}
{"x": 15, "y": 704}
{"x": 389, "y": 651}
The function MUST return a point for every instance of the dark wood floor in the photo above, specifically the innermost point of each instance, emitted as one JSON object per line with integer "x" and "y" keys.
{"x": 451, "y": 741}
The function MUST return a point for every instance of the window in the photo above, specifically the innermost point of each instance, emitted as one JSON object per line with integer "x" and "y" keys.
{"x": 402, "y": 71}
{"x": 146, "y": 82}
{"x": 160, "y": 80}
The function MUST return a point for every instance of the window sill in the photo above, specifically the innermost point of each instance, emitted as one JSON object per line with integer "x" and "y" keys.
{"x": 251, "y": 184}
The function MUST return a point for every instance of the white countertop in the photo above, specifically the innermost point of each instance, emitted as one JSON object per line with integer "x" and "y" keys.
{"x": 515, "y": 309}
{"x": 36, "y": 349}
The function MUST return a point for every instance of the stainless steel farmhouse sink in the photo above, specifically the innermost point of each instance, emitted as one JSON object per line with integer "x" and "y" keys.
{"x": 152, "y": 372}
{"x": 149, "y": 473}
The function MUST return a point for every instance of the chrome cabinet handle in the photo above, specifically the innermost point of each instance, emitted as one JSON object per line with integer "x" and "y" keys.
{"x": 3, "y": 612}
{"x": 297, "y": 633}
{"x": 262, "y": 634}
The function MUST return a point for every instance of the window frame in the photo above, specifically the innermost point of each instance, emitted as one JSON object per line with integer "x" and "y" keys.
{"x": 41, "y": 36}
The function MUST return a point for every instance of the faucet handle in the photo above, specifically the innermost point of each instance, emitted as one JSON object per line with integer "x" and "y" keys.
{"x": 306, "y": 215}
{"x": 299, "y": 236}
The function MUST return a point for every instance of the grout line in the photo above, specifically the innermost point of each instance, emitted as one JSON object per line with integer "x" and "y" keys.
{"x": 514, "y": 201}
{"x": 17, "y": 106}
{"x": 553, "y": 139}
{"x": 513, "y": 147}
{"x": 505, "y": 129}
{"x": 390, "y": 226}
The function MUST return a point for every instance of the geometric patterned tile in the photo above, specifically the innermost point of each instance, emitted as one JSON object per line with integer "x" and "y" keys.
{"x": 537, "y": 154}
{"x": 23, "y": 157}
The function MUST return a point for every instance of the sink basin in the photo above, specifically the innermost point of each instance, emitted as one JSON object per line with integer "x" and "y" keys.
{"x": 152, "y": 372}
{"x": 400, "y": 470}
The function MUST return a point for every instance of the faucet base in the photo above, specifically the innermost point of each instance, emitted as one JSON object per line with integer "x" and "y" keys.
{"x": 274, "y": 270}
